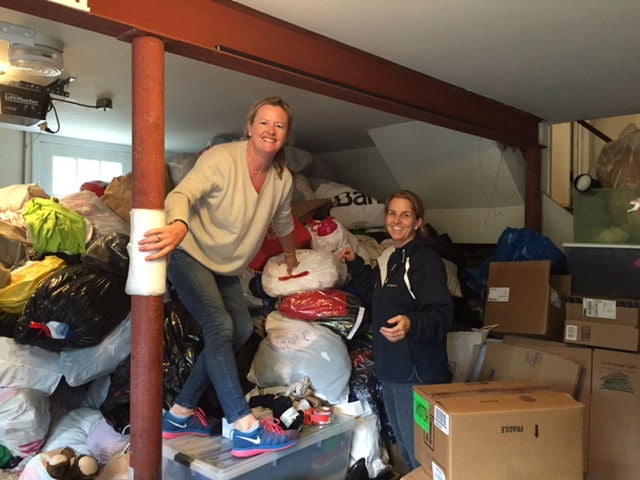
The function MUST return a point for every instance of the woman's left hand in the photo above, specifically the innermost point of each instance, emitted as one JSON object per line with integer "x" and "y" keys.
{"x": 398, "y": 329}
{"x": 162, "y": 241}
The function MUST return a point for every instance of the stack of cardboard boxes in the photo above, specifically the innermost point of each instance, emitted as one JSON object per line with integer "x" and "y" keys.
{"x": 580, "y": 418}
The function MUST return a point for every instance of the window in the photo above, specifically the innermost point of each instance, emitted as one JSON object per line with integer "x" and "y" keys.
{"x": 61, "y": 165}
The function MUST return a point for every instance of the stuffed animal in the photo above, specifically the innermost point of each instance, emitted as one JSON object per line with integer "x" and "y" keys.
{"x": 67, "y": 465}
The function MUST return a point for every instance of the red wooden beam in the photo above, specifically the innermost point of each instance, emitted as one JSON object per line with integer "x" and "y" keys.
{"x": 229, "y": 35}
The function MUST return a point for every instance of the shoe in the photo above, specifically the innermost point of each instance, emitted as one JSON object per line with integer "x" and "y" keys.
{"x": 267, "y": 437}
{"x": 197, "y": 424}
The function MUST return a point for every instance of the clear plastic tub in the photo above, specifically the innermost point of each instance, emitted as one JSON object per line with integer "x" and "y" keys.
{"x": 322, "y": 453}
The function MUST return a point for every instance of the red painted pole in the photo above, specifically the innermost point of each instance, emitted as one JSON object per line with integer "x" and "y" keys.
{"x": 147, "y": 311}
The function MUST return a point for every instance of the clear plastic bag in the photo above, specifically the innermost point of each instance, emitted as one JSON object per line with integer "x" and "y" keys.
{"x": 294, "y": 349}
{"x": 618, "y": 165}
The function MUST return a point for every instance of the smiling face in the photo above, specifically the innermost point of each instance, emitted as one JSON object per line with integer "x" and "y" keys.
{"x": 268, "y": 130}
{"x": 401, "y": 221}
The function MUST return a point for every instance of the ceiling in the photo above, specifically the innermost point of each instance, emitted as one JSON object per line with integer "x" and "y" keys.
{"x": 558, "y": 60}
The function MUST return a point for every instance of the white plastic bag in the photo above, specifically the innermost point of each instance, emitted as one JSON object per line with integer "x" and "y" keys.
{"x": 463, "y": 349}
{"x": 81, "y": 365}
{"x": 24, "y": 366}
{"x": 294, "y": 349}
{"x": 366, "y": 443}
{"x": 329, "y": 235}
{"x": 24, "y": 420}
{"x": 316, "y": 271}
{"x": 72, "y": 430}
{"x": 352, "y": 208}
{"x": 104, "y": 442}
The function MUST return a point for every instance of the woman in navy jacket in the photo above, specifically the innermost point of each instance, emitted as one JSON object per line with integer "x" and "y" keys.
{"x": 411, "y": 313}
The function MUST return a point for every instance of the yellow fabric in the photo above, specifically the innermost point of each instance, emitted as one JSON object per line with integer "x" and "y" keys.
{"x": 25, "y": 281}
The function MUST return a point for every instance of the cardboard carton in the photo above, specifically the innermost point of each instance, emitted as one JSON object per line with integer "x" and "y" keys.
{"x": 599, "y": 334}
{"x": 615, "y": 415}
{"x": 423, "y": 437}
{"x": 603, "y": 322}
{"x": 522, "y": 299}
{"x": 581, "y": 355}
{"x": 511, "y": 362}
{"x": 616, "y": 311}
{"x": 499, "y": 435}
{"x": 417, "y": 474}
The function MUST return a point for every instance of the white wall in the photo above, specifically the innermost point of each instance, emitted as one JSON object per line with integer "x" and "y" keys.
{"x": 475, "y": 225}
{"x": 557, "y": 222}
{"x": 11, "y": 157}
{"x": 472, "y": 187}
{"x": 449, "y": 169}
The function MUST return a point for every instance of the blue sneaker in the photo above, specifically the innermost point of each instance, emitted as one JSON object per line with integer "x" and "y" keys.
{"x": 196, "y": 424}
{"x": 267, "y": 437}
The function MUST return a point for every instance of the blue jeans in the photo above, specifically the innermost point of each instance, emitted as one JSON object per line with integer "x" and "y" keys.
{"x": 398, "y": 402}
{"x": 218, "y": 304}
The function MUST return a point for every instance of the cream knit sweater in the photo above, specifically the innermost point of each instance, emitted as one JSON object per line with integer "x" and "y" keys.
{"x": 227, "y": 218}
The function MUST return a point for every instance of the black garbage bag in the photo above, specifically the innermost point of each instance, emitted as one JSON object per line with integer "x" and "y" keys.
{"x": 182, "y": 343}
{"x": 74, "y": 308}
{"x": 115, "y": 408}
{"x": 8, "y": 323}
{"x": 109, "y": 252}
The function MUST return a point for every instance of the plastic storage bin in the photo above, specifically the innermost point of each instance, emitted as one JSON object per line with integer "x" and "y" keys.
{"x": 322, "y": 453}
{"x": 604, "y": 270}
{"x": 602, "y": 215}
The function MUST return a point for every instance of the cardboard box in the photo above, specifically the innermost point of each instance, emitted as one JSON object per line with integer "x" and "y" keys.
{"x": 511, "y": 362}
{"x": 521, "y": 299}
{"x": 305, "y": 210}
{"x": 417, "y": 474}
{"x": 617, "y": 311}
{"x": 579, "y": 354}
{"x": 600, "y": 334}
{"x": 271, "y": 245}
{"x": 423, "y": 438}
{"x": 500, "y": 435}
{"x": 615, "y": 415}
{"x": 603, "y": 322}
{"x": 14, "y": 249}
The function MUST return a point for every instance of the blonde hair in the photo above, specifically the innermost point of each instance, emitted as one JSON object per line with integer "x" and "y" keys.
{"x": 279, "y": 159}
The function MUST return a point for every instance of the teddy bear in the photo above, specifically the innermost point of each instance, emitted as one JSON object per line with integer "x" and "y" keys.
{"x": 68, "y": 465}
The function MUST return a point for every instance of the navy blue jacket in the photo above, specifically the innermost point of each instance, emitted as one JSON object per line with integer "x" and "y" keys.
{"x": 411, "y": 280}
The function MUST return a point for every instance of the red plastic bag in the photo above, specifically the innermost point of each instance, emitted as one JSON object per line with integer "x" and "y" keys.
{"x": 315, "y": 304}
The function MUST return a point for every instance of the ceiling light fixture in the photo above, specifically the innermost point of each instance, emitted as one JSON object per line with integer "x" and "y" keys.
{"x": 42, "y": 59}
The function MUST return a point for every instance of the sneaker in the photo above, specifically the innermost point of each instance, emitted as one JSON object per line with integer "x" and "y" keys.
{"x": 267, "y": 437}
{"x": 196, "y": 424}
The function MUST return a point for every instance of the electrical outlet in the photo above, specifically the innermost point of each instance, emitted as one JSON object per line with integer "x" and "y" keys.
{"x": 104, "y": 103}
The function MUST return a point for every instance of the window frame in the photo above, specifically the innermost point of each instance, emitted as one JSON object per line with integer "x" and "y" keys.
{"x": 45, "y": 147}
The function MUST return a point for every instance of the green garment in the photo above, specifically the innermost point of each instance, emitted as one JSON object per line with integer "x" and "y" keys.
{"x": 54, "y": 227}
{"x": 5, "y": 456}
